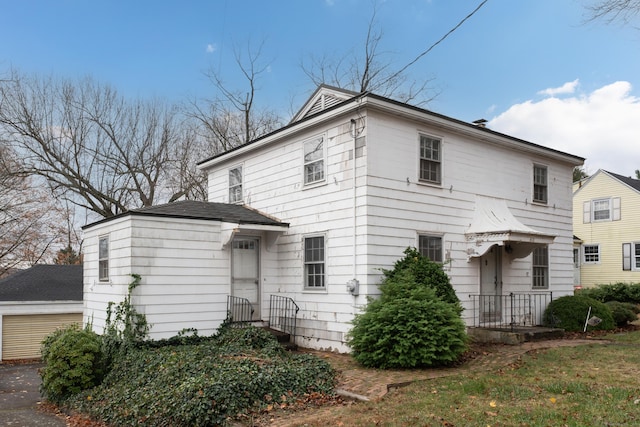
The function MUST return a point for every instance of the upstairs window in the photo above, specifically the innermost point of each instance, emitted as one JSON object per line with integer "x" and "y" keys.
{"x": 601, "y": 210}
{"x": 591, "y": 254}
{"x": 103, "y": 259}
{"x": 540, "y": 268}
{"x": 431, "y": 247}
{"x": 235, "y": 185}
{"x": 314, "y": 159}
{"x": 314, "y": 262}
{"x": 540, "y": 184}
{"x": 430, "y": 159}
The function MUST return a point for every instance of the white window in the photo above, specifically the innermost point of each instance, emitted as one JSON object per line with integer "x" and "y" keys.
{"x": 540, "y": 184}
{"x": 314, "y": 262}
{"x": 430, "y": 159}
{"x": 314, "y": 160}
{"x": 601, "y": 210}
{"x": 540, "y": 268}
{"x": 631, "y": 256}
{"x": 591, "y": 254}
{"x": 431, "y": 247}
{"x": 103, "y": 259}
{"x": 235, "y": 185}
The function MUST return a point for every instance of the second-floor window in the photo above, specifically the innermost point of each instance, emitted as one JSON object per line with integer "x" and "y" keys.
{"x": 314, "y": 157}
{"x": 591, "y": 254}
{"x": 431, "y": 247}
{"x": 430, "y": 159}
{"x": 103, "y": 259}
{"x": 601, "y": 210}
{"x": 235, "y": 185}
{"x": 540, "y": 184}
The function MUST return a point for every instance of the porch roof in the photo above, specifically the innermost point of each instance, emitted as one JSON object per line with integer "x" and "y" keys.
{"x": 191, "y": 209}
{"x": 494, "y": 224}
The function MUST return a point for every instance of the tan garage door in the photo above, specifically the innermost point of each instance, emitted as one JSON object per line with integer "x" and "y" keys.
{"x": 23, "y": 334}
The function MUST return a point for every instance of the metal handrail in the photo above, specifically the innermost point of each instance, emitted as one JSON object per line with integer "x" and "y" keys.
{"x": 510, "y": 310}
{"x": 239, "y": 310}
{"x": 283, "y": 313}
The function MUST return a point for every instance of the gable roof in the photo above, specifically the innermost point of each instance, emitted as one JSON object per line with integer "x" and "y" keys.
{"x": 191, "y": 209}
{"x": 328, "y": 102}
{"x": 43, "y": 283}
{"x": 633, "y": 183}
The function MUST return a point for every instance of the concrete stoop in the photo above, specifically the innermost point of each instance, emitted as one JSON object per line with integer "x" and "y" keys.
{"x": 513, "y": 336}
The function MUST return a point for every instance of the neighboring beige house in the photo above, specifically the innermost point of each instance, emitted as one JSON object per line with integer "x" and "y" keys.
{"x": 606, "y": 223}
{"x": 308, "y": 215}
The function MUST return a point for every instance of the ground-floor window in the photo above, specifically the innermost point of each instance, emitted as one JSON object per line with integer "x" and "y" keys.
{"x": 540, "y": 268}
{"x": 591, "y": 254}
{"x": 314, "y": 262}
{"x": 431, "y": 247}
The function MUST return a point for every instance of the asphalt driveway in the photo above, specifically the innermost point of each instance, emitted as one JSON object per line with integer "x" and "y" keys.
{"x": 19, "y": 397}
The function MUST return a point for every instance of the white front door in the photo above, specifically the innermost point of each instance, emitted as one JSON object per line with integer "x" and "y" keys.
{"x": 245, "y": 271}
{"x": 491, "y": 284}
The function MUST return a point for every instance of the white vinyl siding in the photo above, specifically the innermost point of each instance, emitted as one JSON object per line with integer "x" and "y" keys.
{"x": 103, "y": 259}
{"x": 540, "y": 189}
{"x": 314, "y": 160}
{"x": 235, "y": 185}
{"x": 430, "y": 159}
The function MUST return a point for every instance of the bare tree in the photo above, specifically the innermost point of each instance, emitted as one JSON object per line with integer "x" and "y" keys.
{"x": 232, "y": 117}
{"x": 95, "y": 149}
{"x": 30, "y": 223}
{"x": 611, "y": 11}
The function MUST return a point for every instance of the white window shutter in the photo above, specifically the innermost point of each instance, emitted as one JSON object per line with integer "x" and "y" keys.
{"x": 626, "y": 256}
{"x": 586, "y": 211}
{"x": 615, "y": 215}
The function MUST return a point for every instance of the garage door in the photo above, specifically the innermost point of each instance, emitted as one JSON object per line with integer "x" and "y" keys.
{"x": 23, "y": 334}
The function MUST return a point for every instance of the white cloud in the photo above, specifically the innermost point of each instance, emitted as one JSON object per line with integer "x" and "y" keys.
{"x": 569, "y": 87}
{"x": 211, "y": 48}
{"x": 602, "y": 126}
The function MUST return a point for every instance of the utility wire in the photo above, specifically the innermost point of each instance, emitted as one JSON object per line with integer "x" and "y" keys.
{"x": 438, "y": 42}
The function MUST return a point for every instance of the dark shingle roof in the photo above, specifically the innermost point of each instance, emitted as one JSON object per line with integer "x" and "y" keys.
{"x": 633, "y": 183}
{"x": 203, "y": 210}
{"x": 43, "y": 283}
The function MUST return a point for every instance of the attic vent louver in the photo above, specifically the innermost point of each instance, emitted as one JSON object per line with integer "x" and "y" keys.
{"x": 324, "y": 102}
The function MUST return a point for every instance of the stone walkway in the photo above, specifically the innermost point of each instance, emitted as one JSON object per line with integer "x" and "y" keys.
{"x": 356, "y": 382}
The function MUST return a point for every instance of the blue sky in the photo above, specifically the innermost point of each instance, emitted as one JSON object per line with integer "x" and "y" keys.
{"x": 533, "y": 68}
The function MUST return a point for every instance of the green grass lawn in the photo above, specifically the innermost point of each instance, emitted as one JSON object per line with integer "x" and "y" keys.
{"x": 587, "y": 385}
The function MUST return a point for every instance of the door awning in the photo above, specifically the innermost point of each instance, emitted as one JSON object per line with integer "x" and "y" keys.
{"x": 494, "y": 224}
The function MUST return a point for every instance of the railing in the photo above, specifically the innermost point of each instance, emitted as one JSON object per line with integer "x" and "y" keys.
{"x": 283, "y": 312}
{"x": 510, "y": 310}
{"x": 239, "y": 311}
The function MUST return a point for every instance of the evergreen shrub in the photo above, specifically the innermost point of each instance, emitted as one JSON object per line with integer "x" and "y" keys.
{"x": 622, "y": 292}
{"x": 623, "y": 312}
{"x": 570, "y": 313}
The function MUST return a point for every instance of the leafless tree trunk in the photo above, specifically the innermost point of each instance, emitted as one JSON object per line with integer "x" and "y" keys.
{"x": 94, "y": 148}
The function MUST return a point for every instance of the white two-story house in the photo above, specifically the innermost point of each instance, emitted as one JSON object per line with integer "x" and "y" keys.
{"x": 308, "y": 215}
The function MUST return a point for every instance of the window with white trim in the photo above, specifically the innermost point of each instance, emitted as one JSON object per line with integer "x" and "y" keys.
{"x": 631, "y": 256}
{"x": 314, "y": 262}
{"x": 314, "y": 160}
{"x": 540, "y": 191}
{"x": 430, "y": 159}
{"x": 430, "y": 247}
{"x": 103, "y": 259}
{"x": 601, "y": 210}
{"x": 590, "y": 254}
{"x": 540, "y": 265}
{"x": 235, "y": 185}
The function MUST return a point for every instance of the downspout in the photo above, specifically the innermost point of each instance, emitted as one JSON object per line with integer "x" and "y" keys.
{"x": 353, "y": 285}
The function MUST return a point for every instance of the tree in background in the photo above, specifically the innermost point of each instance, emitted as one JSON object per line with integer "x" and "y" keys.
{"x": 611, "y": 11}
{"x": 30, "y": 221}
{"x": 579, "y": 173}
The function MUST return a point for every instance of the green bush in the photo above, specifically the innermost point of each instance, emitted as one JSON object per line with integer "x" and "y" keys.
{"x": 408, "y": 326}
{"x": 73, "y": 362}
{"x": 208, "y": 383}
{"x": 570, "y": 313}
{"x": 425, "y": 273}
{"x": 622, "y": 292}
{"x": 623, "y": 312}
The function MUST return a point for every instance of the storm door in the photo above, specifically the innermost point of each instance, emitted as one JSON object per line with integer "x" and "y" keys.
{"x": 245, "y": 271}
{"x": 491, "y": 285}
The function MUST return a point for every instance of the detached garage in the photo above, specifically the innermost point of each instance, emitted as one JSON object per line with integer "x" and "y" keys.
{"x": 34, "y": 303}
